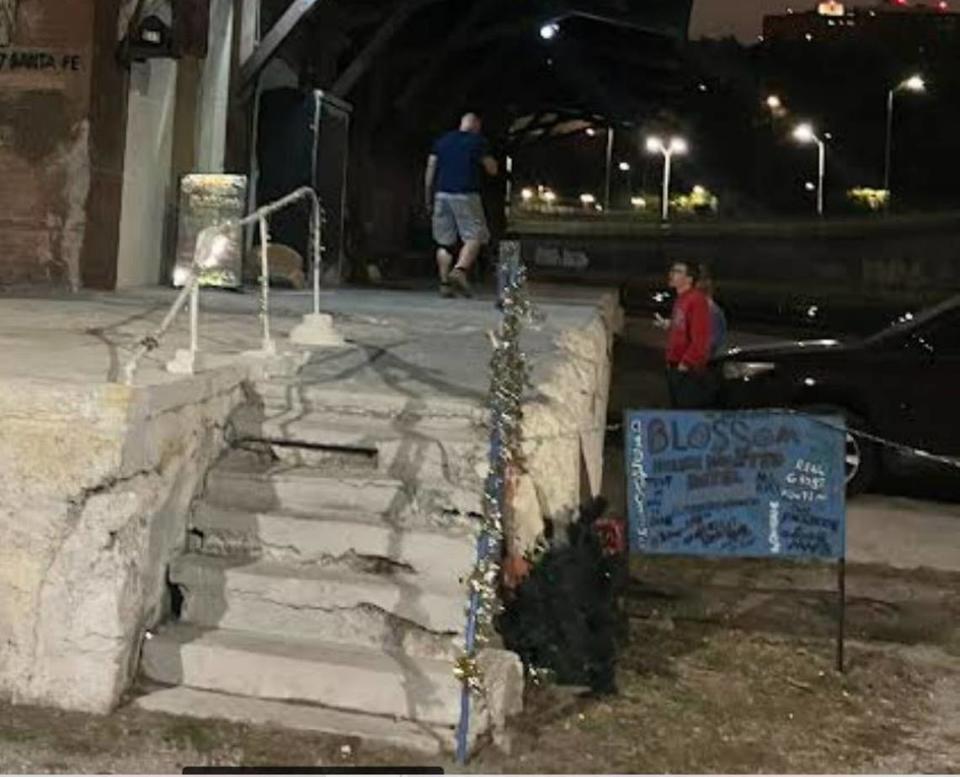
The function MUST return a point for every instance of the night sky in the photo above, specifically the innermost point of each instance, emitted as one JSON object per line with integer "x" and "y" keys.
{"x": 743, "y": 18}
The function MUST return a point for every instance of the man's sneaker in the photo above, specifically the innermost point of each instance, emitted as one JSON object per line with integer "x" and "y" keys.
{"x": 446, "y": 290}
{"x": 459, "y": 282}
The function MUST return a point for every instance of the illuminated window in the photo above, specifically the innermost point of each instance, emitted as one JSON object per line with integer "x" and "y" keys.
{"x": 831, "y": 8}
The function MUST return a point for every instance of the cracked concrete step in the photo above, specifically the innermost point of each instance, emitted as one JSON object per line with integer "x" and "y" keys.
{"x": 303, "y": 670}
{"x": 402, "y": 450}
{"x": 436, "y": 412}
{"x": 436, "y": 554}
{"x": 383, "y": 732}
{"x": 249, "y": 482}
{"x": 314, "y": 601}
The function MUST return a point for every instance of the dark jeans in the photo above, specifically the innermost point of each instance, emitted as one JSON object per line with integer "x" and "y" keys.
{"x": 691, "y": 390}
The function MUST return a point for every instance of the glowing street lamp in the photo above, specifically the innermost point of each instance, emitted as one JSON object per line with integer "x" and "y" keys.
{"x": 624, "y": 167}
{"x": 776, "y": 106}
{"x": 676, "y": 145}
{"x": 588, "y": 200}
{"x": 549, "y": 31}
{"x": 916, "y": 85}
{"x": 804, "y": 133}
{"x": 550, "y": 28}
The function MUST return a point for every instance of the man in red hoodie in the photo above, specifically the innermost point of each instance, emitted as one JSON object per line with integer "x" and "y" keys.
{"x": 688, "y": 342}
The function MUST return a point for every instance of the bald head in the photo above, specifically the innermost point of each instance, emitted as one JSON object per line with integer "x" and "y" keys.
{"x": 470, "y": 123}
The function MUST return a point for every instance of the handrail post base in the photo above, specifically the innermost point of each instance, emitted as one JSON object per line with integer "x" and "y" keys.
{"x": 317, "y": 330}
{"x": 184, "y": 362}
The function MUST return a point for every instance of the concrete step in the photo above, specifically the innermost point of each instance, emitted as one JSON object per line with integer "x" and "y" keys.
{"x": 290, "y": 669}
{"x": 298, "y": 394}
{"x": 402, "y": 448}
{"x": 436, "y": 554}
{"x": 249, "y": 482}
{"x": 332, "y": 604}
{"x": 379, "y": 731}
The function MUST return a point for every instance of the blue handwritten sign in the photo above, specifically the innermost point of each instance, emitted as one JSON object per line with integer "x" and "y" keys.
{"x": 744, "y": 484}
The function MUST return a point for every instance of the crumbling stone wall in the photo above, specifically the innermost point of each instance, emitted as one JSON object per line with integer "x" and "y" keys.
{"x": 564, "y": 426}
{"x": 95, "y": 485}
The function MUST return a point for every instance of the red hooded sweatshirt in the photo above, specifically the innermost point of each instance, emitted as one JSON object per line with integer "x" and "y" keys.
{"x": 688, "y": 341}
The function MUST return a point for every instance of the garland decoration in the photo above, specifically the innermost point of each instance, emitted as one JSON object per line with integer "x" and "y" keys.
{"x": 510, "y": 377}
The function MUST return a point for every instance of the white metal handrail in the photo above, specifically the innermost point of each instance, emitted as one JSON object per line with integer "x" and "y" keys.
{"x": 213, "y": 240}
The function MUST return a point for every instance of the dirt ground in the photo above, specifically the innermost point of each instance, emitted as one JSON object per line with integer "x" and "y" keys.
{"x": 730, "y": 668}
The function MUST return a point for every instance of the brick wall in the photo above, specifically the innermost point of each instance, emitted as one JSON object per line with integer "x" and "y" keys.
{"x": 57, "y": 147}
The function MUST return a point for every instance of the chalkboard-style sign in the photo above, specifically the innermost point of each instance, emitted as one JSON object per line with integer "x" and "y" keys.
{"x": 745, "y": 484}
{"x": 205, "y": 201}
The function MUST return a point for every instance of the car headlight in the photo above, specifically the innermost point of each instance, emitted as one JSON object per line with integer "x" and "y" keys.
{"x": 745, "y": 370}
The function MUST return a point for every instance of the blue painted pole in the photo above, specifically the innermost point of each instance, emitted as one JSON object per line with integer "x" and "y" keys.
{"x": 483, "y": 550}
{"x": 463, "y": 728}
{"x": 508, "y": 275}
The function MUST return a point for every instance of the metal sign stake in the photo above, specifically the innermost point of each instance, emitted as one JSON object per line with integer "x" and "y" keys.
{"x": 841, "y": 620}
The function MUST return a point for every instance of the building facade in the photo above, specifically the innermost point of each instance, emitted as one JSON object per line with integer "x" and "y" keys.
{"x": 901, "y": 25}
{"x": 92, "y": 144}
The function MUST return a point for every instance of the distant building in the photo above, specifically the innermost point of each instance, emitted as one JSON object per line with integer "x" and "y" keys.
{"x": 899, "y": 24}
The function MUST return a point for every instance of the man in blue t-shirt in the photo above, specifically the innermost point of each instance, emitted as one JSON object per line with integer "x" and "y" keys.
{"x": 452, "y": 185}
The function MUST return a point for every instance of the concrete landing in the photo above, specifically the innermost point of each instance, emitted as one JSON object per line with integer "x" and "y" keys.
{"x": 410, "y": 343}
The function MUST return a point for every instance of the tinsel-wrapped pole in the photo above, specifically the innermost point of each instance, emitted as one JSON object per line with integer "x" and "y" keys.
{"x": 509, "y": 378}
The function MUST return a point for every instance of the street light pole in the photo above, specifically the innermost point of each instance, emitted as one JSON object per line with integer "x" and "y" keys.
{"x": 913, "y": 84}
{"x": 821, "y": 174}
{"x": 805, "y": 134}
{"x": 889, "y": 145}
{"x": 676, "y": 146}
{"x": 627, "y": 169}
{"x": 665, "y": 202}
{"x": 550, "y": 28}
{"x": 609, "y": 173}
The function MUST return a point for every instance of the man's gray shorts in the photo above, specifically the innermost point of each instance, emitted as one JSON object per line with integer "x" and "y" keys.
{"x": 459, "y": 215}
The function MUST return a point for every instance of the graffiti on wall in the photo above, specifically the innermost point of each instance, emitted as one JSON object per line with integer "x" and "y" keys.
{"x": 38, "y": 60}
{"x": 12, "y": 60}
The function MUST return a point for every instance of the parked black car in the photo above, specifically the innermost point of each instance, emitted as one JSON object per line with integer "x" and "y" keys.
{"x": 901, "y": 384}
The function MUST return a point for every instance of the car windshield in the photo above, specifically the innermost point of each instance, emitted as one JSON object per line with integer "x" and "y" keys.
{"x": 910, "y": 320}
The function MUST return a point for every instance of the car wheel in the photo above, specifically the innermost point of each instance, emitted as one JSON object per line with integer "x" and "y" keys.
{"x": 861, "y": 456}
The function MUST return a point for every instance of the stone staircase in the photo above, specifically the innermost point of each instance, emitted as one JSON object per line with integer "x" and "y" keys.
{"x": 323, "y": 584}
